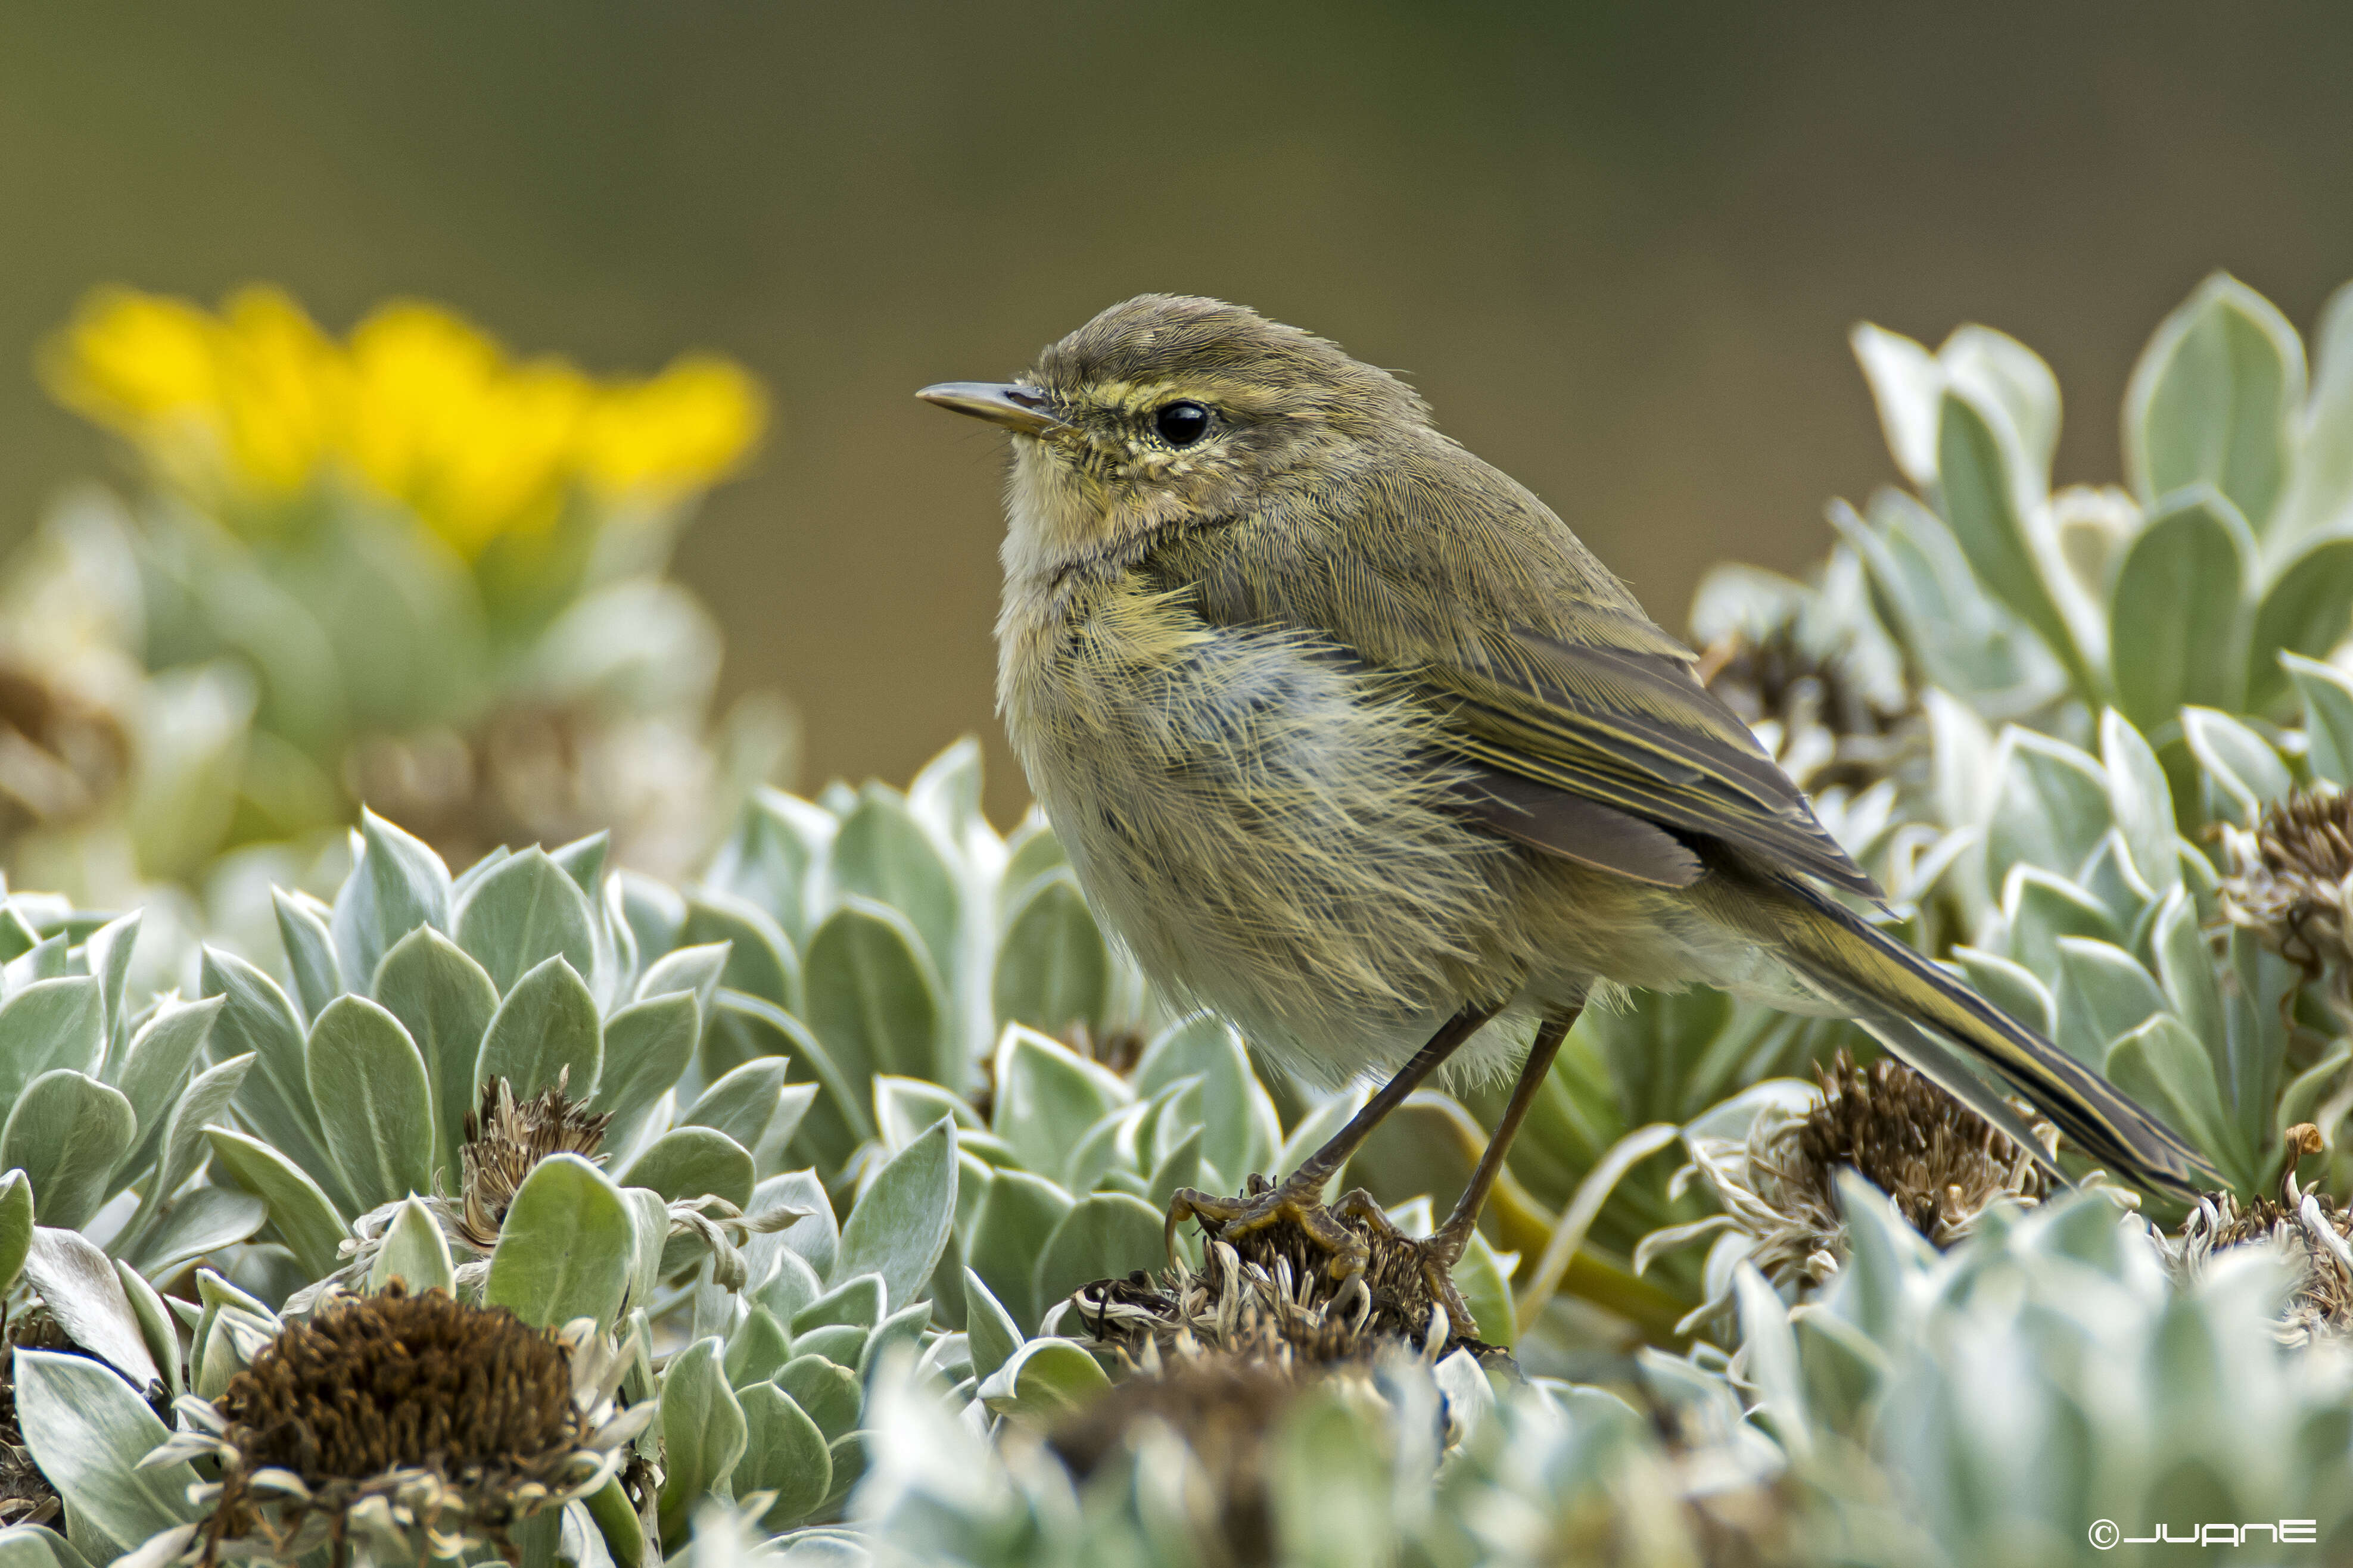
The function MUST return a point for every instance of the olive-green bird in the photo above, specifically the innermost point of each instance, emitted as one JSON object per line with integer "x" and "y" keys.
{"x": 1351, "y": 739}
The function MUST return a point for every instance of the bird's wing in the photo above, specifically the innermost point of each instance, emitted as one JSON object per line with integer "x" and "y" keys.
{"x": 1584, "y": 730}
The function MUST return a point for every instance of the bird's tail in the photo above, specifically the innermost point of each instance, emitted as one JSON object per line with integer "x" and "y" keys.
{"x": 1897, "y": 994}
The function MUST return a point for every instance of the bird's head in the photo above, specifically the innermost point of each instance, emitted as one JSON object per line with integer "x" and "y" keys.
{"x": 1171, "y": 408}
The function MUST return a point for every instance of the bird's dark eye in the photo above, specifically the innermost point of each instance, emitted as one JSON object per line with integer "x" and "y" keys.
{"x": 1181, "y": 424}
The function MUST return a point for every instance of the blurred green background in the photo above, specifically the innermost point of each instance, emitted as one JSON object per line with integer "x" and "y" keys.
{"x": 1618, "y": 245}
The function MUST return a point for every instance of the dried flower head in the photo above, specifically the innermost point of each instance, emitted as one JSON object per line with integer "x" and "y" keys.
{"x": 1941, "y": 1163}
{"x": 1266, "y": 1295}
{"x": 1823, "y": 725}
{"x": 2291, "y": 877}
{"x": 2310, "y": 1236}
{"x": 419, "y": 1424}
{"x": 506, "y": 1138}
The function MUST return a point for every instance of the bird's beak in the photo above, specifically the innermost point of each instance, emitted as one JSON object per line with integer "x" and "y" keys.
{"x": 1020, "y": 409}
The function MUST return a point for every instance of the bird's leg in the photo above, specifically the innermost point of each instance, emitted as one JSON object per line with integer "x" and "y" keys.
{"x": 1445, "y": 1246}
{"x": 1300, "y": 1199}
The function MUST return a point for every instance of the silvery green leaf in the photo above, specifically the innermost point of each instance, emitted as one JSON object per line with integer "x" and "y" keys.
{"x": 17, "y": 936}
{"x": 2211, "y": 398}
{"x": 1105, "y": 1235}
{"x": 2328, "y": 696}
{"x": 1031, "y": 853}
{"x": 1771, "y": 1349}
{"x": 993, "y": 1335}
{"x": 398, "y": 884}
{"x": 1966, "y": 641}
{"x": 46, "y": 960}
{"x": 157, "y": 1328}
{"x": 824, "y": 1389}
{"x": 2305, "y": 609}
{"x": 904, "y": 1107}
{"x": 2162, "y": 1064}
{"x": 546, "y": 1024}
{"x": 841, "y": 1117}
{"x": 791, "y": 1285}
{"x": 2003, "y": 372}
{"x": 653, "y": 910}
{"x": 2238, "y": 761}
{"x": 2187, "y": 966}
{"x": 65, "y": 1131}
{"x": 1110, "y": 1144}
{"x": 463, "y": 883}
{"x": 742, "y": 1103}
{"x": 1054, "y": 968}
{"x": 445, "y": 1001}
{"x": 1978, "y": 488}
{"x": 524, "y": 911}
{"x": 883, "y": 853}
{"x": 761, "y": 959}
{"x": 79, "y": 1285}
{"x": 49, "y": 1025}
{"x": 848, "y": 1453}
{"x": 2140, "y": 802}
{"x": 375, "y": 1103}
{"x": 275, "y": 1098}
{"x": 784, "y": 1455}
{"x": 2320, "y": 486}
{"x": 694, "y": 969}
{"x": 1047, "y": 1095}
{"x": 1906, "y": 382}
{"x": 944, "y": 794}
{"x": 2178, "y": 616}
{"x": 1485, "y": 1280}
{"x": 2051, "y": 806}
{"x": 583, "y": 859}
{"x": 688, "y": 1162}
{"x": 816, "y": 1236}
{"x": 302, "y": 1215}
{"x": 108, "y": 953}
{"x": 2249, "y": 1057}
{"x": 769, "y": 860}
{"x": 1045, "y": 1380}
{"x": 87, "y": 1430}
{"x": 154, "y": 1066}
{"x": 758, "y": 1348}
{"x": 863, "y": 1300}
{"x": 1180, "y": 1166}
{"x": 38, "y": 1546}
{"x": 902, "y": 1330}
{"x": 2301, "y": 1098}
{"x": 899, "y": 1224}
{"x": 873, "y": 1000}
{"x": 414, "y": 1252}
{"x": 1870, "y": 1292}
{"x": 566, "y": 1249}
{"x": 200, "y": 1222}
{"x": 2103, "y": 993}
{"x": 16, "y": 1226}
{"x": 2012, "y": 987}
{"x": 703, "y": 1430}
{"x": 310, "y": 949}
{"x": 1241, "y": 1131}
{"x": 183, "y": 1146}
{"x": 2042, "y": 908}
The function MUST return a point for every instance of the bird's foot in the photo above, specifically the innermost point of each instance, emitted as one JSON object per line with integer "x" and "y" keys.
{"x": 1355, "y": 1236}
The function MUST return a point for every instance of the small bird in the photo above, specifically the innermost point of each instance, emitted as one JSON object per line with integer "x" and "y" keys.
{"x": 1350, "y": 739}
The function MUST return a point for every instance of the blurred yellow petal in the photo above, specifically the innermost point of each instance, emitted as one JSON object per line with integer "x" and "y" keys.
{"x": 685, "y": 430}
{"x": 286, "y": 384}
{"x": 127, "y": 359}
{"x": 506, "y": 472}
{"x": 420, "y": 376}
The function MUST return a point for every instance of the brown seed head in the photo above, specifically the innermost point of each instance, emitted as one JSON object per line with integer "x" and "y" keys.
{"x": 2289, "y": 880}
{"x": 504, "y": 1140}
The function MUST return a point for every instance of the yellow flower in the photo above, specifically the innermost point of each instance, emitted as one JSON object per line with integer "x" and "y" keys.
{"x": 420, "y": 406}
{"x": 128, "y": 359}
{"x": 684, "y": 430}
{"x": 283, "y": 386}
